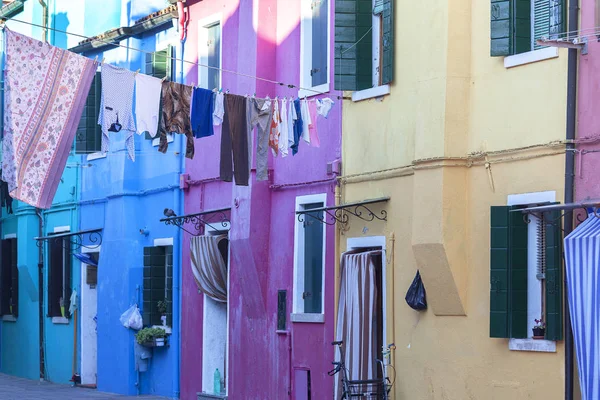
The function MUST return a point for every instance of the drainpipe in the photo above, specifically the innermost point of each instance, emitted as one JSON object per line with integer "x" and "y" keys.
{"x": 570, "y": 181}
{"x": 41, "y": 296}
{"x": 44, "y": 21}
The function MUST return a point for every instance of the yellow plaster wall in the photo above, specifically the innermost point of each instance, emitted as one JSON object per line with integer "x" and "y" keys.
{"x": 450, "y": 98}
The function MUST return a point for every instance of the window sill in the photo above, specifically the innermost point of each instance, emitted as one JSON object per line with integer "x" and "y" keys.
{"x": 308, "y": 318}
{"x": 96, "y": 156}
{"x": 60, "y": 321}
{"x": 371, "y": 93}
{"x": 543, "y": 346}
{"x": 9, "y": 318}
{"x": 156, "y": 140}
{"x": 530, "y": 57}
{"x": 314, "y": 91}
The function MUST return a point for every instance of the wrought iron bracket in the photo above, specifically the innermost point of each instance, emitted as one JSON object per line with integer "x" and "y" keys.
{"x": 216, "y": 219}
{"x": 586, "y": 209}
{"x": 74, "y": 240}
{"x": 334, "y": 214}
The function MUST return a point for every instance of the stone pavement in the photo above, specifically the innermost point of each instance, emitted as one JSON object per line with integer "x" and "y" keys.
{"x": 13, "y": 388}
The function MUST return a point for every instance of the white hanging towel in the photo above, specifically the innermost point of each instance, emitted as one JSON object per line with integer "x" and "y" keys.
{"x": 147, "y": 103}
{"x": 284, "y": 130}
{"x": 73, "y": 302}
{"x": 116, "y": 104}
{"x": 306, "y": 121}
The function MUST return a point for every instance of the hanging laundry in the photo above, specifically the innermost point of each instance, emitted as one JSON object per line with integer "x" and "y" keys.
{"x": 202, "y": 113}
{"x": 45, "y": 93}
{"x": 258, "y": 113}
{"x": 291, "y": 114}
{"x": 275, "y": 127}
{"x": 219, "y": 109}
{"x": 234, "y": 139}
{"x": 298, "y": 126}
{"x": 305, "y": 120}
{"x": 324, "y": 106}
{"x": 175, "y": 118}
{"x": 116, "y": 105}
{"x": 5, "y": 199}
{"x": 283, "y": 129}
{"x": 312, "y": 128}
{"x": 147, "y": 103}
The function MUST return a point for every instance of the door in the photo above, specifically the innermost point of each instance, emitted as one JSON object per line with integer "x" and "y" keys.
{"x": 89, "y": 332}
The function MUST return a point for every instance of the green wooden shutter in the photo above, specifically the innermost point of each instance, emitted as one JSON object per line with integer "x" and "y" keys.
{"x": 5, "y": 277}
{"x": 89, "y": 132}
{"x": 55, "y": 277}
{"x": 501, "y": 42}
{"x": 67, "y": 278}
{"x": 313, "y": 261}
{"x": 518, "y": 275}
{"x": 554, "y": 280}
{"x": 387, "y": 42}
{"x": 523, "y": 42}
{"x": 353, "y": 45}
{"x": 15, "y": 279}
{"x": 508, "y": 274}
{"x": 160, "y": 64}
{"x": 154, "y": 284}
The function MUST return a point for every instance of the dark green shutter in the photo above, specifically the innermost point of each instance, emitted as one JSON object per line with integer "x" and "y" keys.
{"x": 15, "y": 279}
{"x": 55, "y": 273}
{"x": 313, "y": 261}
{"x": 501, "y": 42}
{"x": 518, "y": 275}
{"x": 508, "y": 274}
{"x": 5, "y": 277}
{"x": 158, "y": 276}
{"x": 67, "y": 280}
{"x": 554, "y": 280}
{"x": 387, "y": 42}
{"x": 160, "y": 64}
{"x": 353, "y": 44}
{"x": 89, "y": 132}
{"x": 522, "y": 26}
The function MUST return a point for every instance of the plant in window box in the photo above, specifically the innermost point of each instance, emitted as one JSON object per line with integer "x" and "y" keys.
{"x": 539, "y": 330}
{"x": 151, "y": 337}
{"x": 162, "y": 309}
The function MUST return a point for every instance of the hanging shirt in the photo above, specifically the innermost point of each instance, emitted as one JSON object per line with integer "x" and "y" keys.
{"x": 312, "y": 128}
{"x": 116, "y": 106}
{"x": 274, "y": 132}
{"x": 258, "y": 113}
{"x": 219, "y": 108}
{"x": 284, "y": 133}
{"x": 176, "y": 99}
{"x": 298, "y": 126}
{"x": 306, "y": 120}
{"x": 324, "y": 106}
{"x": 202, "y": 113}
{"x": 147, "y": 103}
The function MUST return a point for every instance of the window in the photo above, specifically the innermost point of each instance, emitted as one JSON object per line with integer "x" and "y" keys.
{"x": 309, "y": 266}
{"x": 160, "y": 64}
{"x": 89, "y": 134}
{"x": 59, "y": 278}
{"x": 158, "y": 284}
{"x": 314, "y": 46}
{"x": 9, "y": 278}
{"x": 516, "y": 25}
{"x": 209, "y": 52}
{"x": 525, "y": 273}
{"x": 364, "y": 44}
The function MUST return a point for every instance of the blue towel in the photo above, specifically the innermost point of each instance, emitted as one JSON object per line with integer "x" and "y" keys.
{"x": 297, "y": 127}
{"x": 202, "y": 113}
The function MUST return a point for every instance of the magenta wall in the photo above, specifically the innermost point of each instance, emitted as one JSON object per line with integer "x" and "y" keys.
{"x": 262, "y": 230}
{"x": 587, "y": 184}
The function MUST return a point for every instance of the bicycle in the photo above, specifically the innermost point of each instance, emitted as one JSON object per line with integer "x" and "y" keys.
{"x": 366, "y": 388}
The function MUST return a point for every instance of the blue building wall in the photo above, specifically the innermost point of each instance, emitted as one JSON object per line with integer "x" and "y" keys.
{"x": 123, "y": 197}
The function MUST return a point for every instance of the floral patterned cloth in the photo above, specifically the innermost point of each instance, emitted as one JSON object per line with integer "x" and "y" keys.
{"x": 176, "y": 109}
{"x": 45, "y": 92}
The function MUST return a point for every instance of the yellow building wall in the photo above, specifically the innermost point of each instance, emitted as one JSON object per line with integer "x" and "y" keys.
{"x": 458, "y": 133}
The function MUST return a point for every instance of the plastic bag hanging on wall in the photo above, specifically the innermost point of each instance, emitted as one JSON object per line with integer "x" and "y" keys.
{"x": 416, "y": 297}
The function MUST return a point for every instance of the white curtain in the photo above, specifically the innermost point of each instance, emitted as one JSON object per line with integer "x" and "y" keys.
{"x": 209, "y": 267}
{"x": 357, "y": 316}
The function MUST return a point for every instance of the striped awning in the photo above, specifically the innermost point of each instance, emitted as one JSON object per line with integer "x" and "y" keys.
{"x": 582, "y": 258}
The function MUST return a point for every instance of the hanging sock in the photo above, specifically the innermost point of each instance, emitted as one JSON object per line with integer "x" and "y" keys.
{"x": 147, "y": 103}
{"x": 46, "y": 88}
{"x": 116, "y": 106}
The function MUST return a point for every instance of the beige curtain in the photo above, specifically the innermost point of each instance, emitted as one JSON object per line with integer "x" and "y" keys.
{"x": 357, "y": 316}
{"x": 209, "y": 267}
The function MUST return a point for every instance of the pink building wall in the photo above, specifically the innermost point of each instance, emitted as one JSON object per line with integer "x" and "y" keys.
{"x": 587, "y": 184}
{"x": 260, "y": 38}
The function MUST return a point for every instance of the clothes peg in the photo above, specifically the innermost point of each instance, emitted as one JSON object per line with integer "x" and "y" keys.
{"x": 136, "y": 72}
{"x": 227, "y": 91}
{"x": 164, "y": 79}
{"x": 103, "y": 59}
{"x": 96, "y": 59}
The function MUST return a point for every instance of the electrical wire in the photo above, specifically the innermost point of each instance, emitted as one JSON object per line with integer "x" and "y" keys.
{"x": 108, "y": 42}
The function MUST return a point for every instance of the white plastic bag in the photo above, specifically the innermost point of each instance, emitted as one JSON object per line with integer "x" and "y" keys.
{"x": 132, "y": 318}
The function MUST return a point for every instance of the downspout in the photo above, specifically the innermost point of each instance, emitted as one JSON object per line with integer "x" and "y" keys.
{"x": 44, "y": 21}
{"x": 41, "y": 296}
{"x": 569, "y": 181}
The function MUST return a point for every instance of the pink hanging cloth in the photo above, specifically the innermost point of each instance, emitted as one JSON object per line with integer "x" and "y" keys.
{"x": 312, "y": 127}
{"x": 46, "y": 91}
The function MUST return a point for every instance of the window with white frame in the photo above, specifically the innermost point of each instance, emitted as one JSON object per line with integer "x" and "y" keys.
{"x": 314, "y": 46}
{"x": 309, "y": 256}
{"x": 209, "y": 52}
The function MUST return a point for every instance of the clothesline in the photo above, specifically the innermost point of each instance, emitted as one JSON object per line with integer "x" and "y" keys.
{"x": 288, "y": 85}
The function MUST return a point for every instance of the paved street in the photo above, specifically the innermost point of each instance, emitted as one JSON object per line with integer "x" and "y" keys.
{"x": 12, "y": 388}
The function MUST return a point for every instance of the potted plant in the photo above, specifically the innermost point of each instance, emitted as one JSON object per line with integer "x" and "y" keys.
{"x": 539, "y": 330}
{"x": 61, "y": 302}
{"x": 162, "y": 309}
{"x": 151, "y": 337}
